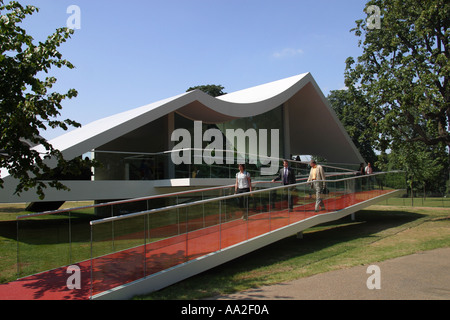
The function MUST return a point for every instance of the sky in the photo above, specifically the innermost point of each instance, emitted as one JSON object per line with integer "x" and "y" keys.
{"x": 132, "y": 53}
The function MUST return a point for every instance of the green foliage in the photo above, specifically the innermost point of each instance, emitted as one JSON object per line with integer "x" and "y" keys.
{"x": 211, "y": 89}
{"x": 426, "y": 166}
{"x": 26, "y": 103}
{"x": 404, "y": 71}
{"x": 401, "y": 84}
{"x": 355, "y": 121}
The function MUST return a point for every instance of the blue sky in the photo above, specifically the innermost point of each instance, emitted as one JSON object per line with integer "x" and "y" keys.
{"x": 135, "y": 52}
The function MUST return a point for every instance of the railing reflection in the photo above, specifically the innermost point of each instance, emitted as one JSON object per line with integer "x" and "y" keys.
{"x": 117, "y": 165}
{"x": 129, "y": 247}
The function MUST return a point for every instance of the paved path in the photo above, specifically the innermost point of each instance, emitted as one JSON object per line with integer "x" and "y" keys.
{"x": 422, "y": 276}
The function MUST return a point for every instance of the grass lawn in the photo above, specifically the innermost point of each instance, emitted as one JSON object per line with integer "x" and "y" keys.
{"x": 46, "y": 229}
{"x": 419, "y": 202}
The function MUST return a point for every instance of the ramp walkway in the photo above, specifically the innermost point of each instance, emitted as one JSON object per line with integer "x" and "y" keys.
{"x": 144, "y": 251}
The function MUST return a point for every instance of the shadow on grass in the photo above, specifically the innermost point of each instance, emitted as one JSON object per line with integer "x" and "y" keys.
{"x": 366, "y": 225}
{"x": 228, "y": 278}
{"x": 48, "y": 230}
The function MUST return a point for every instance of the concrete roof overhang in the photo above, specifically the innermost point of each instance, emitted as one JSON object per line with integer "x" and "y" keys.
{"x": 313, "y": 127}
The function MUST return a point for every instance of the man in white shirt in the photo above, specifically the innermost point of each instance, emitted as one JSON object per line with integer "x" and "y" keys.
{"x": 369, "y": 169}
{"x": 370, "y": 180}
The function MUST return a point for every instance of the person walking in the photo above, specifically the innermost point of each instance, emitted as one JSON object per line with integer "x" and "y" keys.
{"x": 369, "y": 170}
{"x": 370, "y": 178}
{"x": 361, "y": 170}
{"x": 243, "y": 185}
{"x": 317, "y": 179}
{"x": 287, "y": 175}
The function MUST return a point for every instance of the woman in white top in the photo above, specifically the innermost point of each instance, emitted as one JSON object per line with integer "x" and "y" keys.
{"x": 243, "y": 185}
{"x": 243, "y": 181}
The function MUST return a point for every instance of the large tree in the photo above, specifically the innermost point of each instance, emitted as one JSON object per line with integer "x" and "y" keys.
{"x": 27, "y": 104}
{"x": 400, "y": 84}
{"x": 404, "y": 70}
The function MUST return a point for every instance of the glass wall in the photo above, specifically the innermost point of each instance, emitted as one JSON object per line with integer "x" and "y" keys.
{"x": 144, "y": 154}
{"x": 134, "y": 156}
{"x": 249, "y": 150}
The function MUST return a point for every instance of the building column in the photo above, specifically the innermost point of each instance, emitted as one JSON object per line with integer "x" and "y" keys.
{"x": 170, "y": 144}
{"x": 286, "y": 132}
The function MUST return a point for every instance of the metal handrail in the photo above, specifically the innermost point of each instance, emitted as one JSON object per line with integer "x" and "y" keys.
{"x": 163, "y": 153}
{"x": 122, "y": 202}
{"x": 190, "y": 204}
{"x": 158, "y": 196}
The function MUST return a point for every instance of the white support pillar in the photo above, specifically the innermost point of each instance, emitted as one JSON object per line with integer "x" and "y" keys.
{"x": 170, "y": 128}
{"x": 286, "y": 132}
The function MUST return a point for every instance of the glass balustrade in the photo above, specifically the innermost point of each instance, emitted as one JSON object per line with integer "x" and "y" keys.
{"x": 123, "y": 241}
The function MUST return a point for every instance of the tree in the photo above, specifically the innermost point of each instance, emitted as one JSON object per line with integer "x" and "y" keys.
{"x": 211, "y": 89}
{"x": 354, "y": 121}
{"x": 424, "y": 166}
{"x": 26, "y": 103}
{"x": 403, "y": 75}
{"x": 404, "y": 71}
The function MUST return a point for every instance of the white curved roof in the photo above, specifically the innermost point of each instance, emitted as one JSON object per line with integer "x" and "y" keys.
{"x": 309, "y": 113}
{"x": 263, "y": 92}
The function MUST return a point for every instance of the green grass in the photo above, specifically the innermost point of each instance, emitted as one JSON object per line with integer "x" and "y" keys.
{"x": 42, "y": 240}
{"x": 379, "y": 233}
{"x": 419, "y": 202}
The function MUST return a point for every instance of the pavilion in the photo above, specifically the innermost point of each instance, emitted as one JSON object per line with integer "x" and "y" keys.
{"x": 135, "y": 146}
